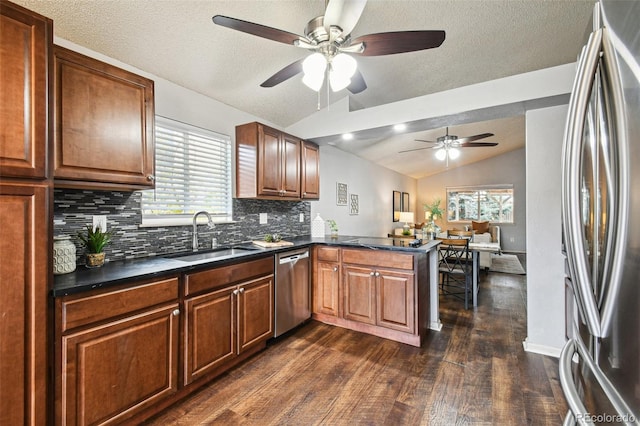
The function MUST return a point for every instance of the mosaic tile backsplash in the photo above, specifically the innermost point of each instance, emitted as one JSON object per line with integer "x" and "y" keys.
{"x": 73, "y": 210}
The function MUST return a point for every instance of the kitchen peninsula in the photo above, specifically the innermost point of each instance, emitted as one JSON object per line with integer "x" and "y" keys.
{"x": 191, "y": 321}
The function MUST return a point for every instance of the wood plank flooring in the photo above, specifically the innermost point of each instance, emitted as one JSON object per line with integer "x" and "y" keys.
{"x": 474, "y": 372}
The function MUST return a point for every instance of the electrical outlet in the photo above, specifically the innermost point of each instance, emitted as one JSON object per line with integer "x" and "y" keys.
{"x": 301, "y": 217}
{"x": 512, "y": 239}
{"x": 100, "y": 221}
{"x": 263, "y": 218}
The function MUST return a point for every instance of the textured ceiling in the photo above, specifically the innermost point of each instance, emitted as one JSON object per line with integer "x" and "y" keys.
{"x": 176, "y": 40}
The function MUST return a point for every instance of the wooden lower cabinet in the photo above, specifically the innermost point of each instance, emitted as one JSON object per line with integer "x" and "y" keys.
{"x": 383, "y": 293}
{"x": 123, "y": 358}
{"x": 223, "y": 324}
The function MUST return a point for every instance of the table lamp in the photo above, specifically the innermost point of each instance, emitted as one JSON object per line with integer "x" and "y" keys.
{"x": 406, "y": 217}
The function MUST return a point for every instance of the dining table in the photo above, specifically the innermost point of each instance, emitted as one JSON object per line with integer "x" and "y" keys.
{"x": 475, "y": 249}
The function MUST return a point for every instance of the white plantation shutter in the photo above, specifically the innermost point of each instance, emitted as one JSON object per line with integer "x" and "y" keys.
{"x": 193, "y": 173}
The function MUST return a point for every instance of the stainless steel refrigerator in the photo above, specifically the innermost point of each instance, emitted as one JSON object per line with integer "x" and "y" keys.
{"x": 600, "y": 363}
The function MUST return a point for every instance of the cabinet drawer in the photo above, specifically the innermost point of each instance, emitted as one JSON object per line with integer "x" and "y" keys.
{"x": 328, "y": 254}
{"x": 386, "y": 259}
{"x": 225, "y": 275}
{"x": 88, "y": 309}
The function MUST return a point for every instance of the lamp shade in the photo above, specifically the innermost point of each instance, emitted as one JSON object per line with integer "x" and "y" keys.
{"x": 406, "y": 217}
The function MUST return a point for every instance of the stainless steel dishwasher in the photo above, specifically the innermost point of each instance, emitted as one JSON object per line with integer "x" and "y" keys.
{"x": 293, "y": 290}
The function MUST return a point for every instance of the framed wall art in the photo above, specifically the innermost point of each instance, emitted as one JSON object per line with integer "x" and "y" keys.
{"x": 397, "y": 205}
{"x": 341, "y": 194}
{"x": 354, "y": 207}
{"x": 405, "y": 202}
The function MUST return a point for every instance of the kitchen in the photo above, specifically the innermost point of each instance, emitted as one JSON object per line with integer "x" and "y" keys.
{"x": 174, "y": 101}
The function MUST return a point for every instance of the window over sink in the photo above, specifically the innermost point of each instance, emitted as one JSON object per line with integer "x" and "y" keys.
{"x": 193, "y": 173}
{"x": 493, "y": 203}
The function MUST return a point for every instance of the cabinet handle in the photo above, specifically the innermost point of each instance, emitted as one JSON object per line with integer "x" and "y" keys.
{"x": 151, "y": 178}
{"x": 175, "y": 312}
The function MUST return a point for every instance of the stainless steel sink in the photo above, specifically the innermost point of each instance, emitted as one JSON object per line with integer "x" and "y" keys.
{"x": 212, "y": 254}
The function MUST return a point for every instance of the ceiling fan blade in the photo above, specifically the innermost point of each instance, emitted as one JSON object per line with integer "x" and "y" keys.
{"x": 421, "y": 140}
{"x": 416, "y": 149}
{"x": 478, "y": 144}
{"x": 474, "y": 137}
{"x": 284, "y": 74}
{"x": 344, "y": 14}
{"x": 357, "y": 83}
{"x": 258, "y": 30}
{"x": 399, "y": 42}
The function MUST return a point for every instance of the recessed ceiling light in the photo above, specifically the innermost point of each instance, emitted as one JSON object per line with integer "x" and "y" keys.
{"x": 347, "y": 136}
{"x": 401, "y": 127}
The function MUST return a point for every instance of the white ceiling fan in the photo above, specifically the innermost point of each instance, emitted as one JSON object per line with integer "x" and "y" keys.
{"x": 329, "y": 37}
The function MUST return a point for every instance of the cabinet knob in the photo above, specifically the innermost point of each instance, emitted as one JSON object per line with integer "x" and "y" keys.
{"x": 372, "y": 273}
{"x": 236, "y": 291}
{"x": 304, "y": 194}
{"x": 335, "y": 269}
{"x": 175, "y": 312}
{"x": 241, "y": 289}
{"x": 377, "y": 274}
{"x": 151, "y": 178}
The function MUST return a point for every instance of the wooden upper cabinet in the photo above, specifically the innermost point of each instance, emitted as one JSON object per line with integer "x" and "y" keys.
{"x": 25, "y": 51}
{"x": 271, "y": 164}
{"x": 104, "y": 125}
{"x": 310, "y": 177}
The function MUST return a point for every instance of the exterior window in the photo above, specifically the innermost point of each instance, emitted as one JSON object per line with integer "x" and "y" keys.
{"x": 193, "y": 173}
{"x": 492, "y": 203}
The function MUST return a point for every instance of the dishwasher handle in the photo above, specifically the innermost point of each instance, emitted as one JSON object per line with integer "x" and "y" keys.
{"x": 293, "y": 258}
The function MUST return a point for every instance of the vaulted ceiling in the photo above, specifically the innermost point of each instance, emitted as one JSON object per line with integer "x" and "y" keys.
{"x": 485, "y": 40}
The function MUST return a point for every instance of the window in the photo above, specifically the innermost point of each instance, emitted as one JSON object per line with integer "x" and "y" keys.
{"x": 492, "y": 203}
{"x": 193, "y": 173}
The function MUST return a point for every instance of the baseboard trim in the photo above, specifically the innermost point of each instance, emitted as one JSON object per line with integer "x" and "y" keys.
{"x": 541, "y": 349}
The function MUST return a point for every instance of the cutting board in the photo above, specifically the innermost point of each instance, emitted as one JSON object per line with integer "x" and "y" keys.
{"x": 278, "y": 244}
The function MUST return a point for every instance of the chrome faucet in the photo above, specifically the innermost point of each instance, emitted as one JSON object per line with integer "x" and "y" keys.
{"x": 210, "y": 224}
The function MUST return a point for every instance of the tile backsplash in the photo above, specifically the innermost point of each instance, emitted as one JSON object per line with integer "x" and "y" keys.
{"x": 73, "y": 210}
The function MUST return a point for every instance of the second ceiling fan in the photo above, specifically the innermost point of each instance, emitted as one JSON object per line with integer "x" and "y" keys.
{"x": 329, "y": 37}
{"x": 447, "y": 146}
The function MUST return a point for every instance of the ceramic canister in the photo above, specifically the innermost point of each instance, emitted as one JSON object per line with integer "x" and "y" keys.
{"x": 64, "y": 255}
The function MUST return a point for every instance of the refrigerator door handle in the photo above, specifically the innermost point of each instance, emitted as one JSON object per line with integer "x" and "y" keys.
{"x": 620, "y": 199}
{"x": 571, "y": 190}
{"x": 577, "y": 408}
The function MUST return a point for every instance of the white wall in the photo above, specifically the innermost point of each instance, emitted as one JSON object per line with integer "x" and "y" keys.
{"x": 373, "y": 184}
{"x": 507, "y": 168}
{"x": 545, "y": 263}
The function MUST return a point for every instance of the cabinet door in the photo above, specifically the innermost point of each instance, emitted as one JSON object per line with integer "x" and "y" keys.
{"x": 396, "y": 300}
{"x": 25, "y": 276}
{"x": 255, "y": 312}
{"x": 359, "y": 294}
{"x": 209, "y": 332}
{"x": 291, "y": 153}
{"x": 269, "y": 161}
{"x": 326, "y": 289}
{"x": 25, "y": 40}
{"x": 310, "y": 174}
{"x": 112, "y": 371}
{"x": 103, "y": 124}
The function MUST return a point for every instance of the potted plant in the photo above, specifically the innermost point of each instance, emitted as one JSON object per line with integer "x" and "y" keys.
{"x": 333, "y": 226}
{"x": 94, "y": 241}
{"x": 433, "y": 211}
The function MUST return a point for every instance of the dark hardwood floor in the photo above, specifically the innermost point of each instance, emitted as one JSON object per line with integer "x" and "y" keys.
{"x": 474, "y": 371}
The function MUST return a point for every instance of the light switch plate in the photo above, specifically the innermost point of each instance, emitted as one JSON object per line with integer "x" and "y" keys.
{"x": 263, "y": 218}
{"x": 101, "y": 221}
{"x": 301, "y": 217}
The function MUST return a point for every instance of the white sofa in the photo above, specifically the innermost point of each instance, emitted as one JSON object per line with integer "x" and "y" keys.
{"x": 493, "y": 236}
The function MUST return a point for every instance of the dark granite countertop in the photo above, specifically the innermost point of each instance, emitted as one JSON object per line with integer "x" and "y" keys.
{"x": 113, "y": 273}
